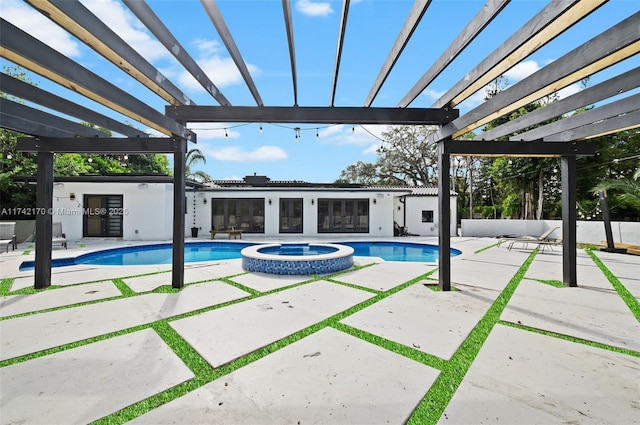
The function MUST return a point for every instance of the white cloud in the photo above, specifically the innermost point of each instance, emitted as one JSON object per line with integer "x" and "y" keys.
{"x": 368, "y": 137}
{"x": 312, "y": 8}
{"x": 221, "y": 70}
{"x": 38, "y": 26}
{"x": 127, "y": 27}
{"x": 432, "y": 94}
{"x": 521, "y": 71}
{"x": 240, "y": 154}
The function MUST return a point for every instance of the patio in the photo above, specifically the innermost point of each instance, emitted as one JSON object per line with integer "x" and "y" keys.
{"x": 373, "y": 344}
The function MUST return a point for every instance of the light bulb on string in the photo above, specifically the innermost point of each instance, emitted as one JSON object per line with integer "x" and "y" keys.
{"x": 225, "y": 133}
{"x": 297, "y": 133}
{"x": 353, "y": 129}
{"x": 260, "y": 128}
{"x": 317, "y": 133}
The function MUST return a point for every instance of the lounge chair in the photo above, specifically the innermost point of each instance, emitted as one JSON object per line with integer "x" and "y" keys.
{"x": 8, "y": 235}
{"x": 57, "y": 235}
{"x": 542, "y": 241}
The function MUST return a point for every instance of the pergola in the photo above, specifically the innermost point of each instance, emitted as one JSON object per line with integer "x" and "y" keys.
{"x": 565, "y": 138}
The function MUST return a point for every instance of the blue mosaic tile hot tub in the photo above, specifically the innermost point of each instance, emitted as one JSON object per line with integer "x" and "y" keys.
{"x": 297, "y": 259}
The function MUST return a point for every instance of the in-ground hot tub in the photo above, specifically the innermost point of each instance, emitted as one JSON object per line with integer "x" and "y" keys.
{"x": 298, "y": 258}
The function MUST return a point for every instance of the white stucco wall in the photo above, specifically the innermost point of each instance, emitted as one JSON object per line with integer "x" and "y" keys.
{"x": 414, "y": 206}
{"x": 380, "y": 212}
{"x": 147, "y": 216}
{"x": 586, "y": 231}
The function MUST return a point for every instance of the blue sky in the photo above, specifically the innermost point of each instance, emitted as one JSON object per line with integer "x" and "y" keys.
{"x": 259, "y": 32}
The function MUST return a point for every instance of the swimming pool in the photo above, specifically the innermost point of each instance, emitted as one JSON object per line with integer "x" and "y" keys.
{"x": 211, "y": 251}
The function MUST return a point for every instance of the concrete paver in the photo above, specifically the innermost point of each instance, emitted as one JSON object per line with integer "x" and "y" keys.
{"x": 216, "y": 336}
{"x": 587, "y": 313}
{"x": 192, "y": 273}
{"x": 433, "y": 322}
{"x": 62, "y": 276}
{"x": 60, "y": 327}
{"x": 326, "y": 378}
{"x": 527, "y": 378}
{"x": 89, "y": 382}
{"x": 264, "y": 282}
{"x": 18, "y": 304}
{"x": 545, "y": 267}
{"x": 385, "y": 276}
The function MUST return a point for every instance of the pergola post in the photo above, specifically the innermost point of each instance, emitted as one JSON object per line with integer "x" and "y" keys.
{"x": 569, "y": 256}
{"x": 444, "y": 217}
{"x": 44, "y": 203}
{"x": 179, "y": 180}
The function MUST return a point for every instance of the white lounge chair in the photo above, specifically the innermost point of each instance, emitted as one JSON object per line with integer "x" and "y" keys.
{"x": 57, "y": 235}
{"x": 8, "y": 235}
{"x": 542, "y": 241}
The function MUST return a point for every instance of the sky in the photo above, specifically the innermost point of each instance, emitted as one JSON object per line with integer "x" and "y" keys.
{"x": 320, "y": 153}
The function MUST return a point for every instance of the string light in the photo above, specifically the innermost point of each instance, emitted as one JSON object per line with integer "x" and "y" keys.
{"x": 297, "y": 132}
{"x": 225, "y": 133}
{"x": 317, "y": 135}
{"x": 353, "y": 129}
{"x": 260, "y": 128}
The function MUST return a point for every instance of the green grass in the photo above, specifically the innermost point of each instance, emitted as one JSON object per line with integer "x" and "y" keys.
{"x": 5, "y": 286}
{"x": 550, "y": 282}
{"x": 428, "y": 411}
{"x": 627, "y": 297}
{"x": 452, "y": 372}
{"x": 486, "y": 248}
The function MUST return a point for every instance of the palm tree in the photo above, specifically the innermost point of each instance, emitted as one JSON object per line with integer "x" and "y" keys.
{"x": 630, "y": 188}
{"x": 193, "y": 157}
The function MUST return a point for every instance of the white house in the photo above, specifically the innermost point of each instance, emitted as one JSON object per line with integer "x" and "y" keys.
{"x": 133, "y": 207}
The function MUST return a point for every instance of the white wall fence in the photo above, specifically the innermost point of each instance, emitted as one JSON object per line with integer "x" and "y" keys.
{"x": 587, "y": 231}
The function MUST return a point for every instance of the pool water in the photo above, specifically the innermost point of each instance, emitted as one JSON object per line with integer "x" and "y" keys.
{"x": 398, "y": 251}
{"x": 297, "y": 249}
{"x": 211, "y": 251}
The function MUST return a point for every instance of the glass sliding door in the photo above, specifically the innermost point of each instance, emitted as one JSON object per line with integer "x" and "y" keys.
{"x": 103, "y": 217}
{"x": 291, "y": 215}
{"x": 343, "y": 215}
{"x": 246, "y": 214}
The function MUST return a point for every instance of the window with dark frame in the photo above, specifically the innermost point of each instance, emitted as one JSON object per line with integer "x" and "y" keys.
{"x": 427, "y": 216}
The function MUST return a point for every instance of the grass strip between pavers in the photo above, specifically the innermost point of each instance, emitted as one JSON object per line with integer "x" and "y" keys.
{"x": 554, "y": 283}
{"x": 573, "y": 339}
{"x": 486, "y": 248}
{"x": 434, "y": 403}
{"x": 5, "y": 285}
{"x": 627, "y": 297}
{"x": 205, "y": 373}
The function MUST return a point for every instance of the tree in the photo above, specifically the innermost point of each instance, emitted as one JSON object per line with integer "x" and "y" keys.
{"x": 629, "y": 188}
{"x": 195, "y": 156}
{"x": 406, "y": 157}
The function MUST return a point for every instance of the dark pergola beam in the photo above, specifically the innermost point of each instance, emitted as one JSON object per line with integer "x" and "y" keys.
{"x": 341, "y": 31}
{"x": 43, "y": 239}
{"x": 74, "y": 17}
{"x": 34, "y": 94}
{"x": 569, "y": 238}
{"x": 179, "y": 182}
{"x": 612, "y": 125}
{"x": 46, "y": 120}
{"x": 144, "y": 13}
{"x": 288, "y": 21}
{"x": 406, "y": 31}
{"x": 610, "y": 110}
{"x": 609, "y": 88}
{"x": 488, "y": 12}
{"x": 26, "y": 126}
{"x": 92, "y": 145}
{"x": 30, "y": 53}
{"x": 444, "y": 218}
{"x": 312, "y": 115}
{"x": 553, "y": 19}
{"x": 534, "y": 149}
{"x": 216, "y": 18}
{"x": 610, "y": 47}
